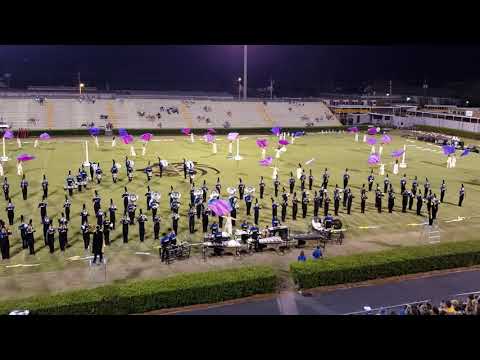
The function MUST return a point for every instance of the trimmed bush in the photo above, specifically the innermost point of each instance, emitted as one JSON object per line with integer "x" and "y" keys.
{"x": 447, "y": 131}
{"x": 147, "y": 295}
{"x": 158, "y": 131}
{"x": 369, "y": 266}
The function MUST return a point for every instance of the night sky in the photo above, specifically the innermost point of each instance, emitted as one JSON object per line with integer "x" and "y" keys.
{"x": 215, "y": 67}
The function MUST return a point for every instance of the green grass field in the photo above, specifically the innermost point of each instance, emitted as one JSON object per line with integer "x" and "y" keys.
{"x": 333, "y": 151}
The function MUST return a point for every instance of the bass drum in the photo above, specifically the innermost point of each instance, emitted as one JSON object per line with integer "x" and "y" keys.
{"x": 337, "y": 224}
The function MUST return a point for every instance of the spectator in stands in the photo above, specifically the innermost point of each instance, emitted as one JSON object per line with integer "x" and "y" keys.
{"x": 449, "y": 309}
{"x": 317, "y": 253}
{"x": 302, "y": 256}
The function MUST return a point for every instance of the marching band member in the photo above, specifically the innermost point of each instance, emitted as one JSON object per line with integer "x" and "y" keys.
{"x": 23, "y": 232}
{"x": 403, "y": 183}
{"x": 276, "y": 183}
{"x": 160, "y": 166}
{"x": 148, "y": 195}
{"x": 111, "y": 210}
{"x": 391, "y": 200}
{"x": 345, "y": 195}
{"x": 310, "y": 180}
{"x": 71, "y": 182}
{"x": 107, "y": 226}
{"x": 370, "y": 180}
{"x": 96, "y": 202}
{"x": 92, "y": 170}
{"x": 30, "y": 238}
{"x": 363, "y": 200}
{"x": 10, "y": 212}
{"x": 85, "y": 229}
{"x": 256, "y": 211}
{"x": 435, "y": 203}
{"x": 6, "y": 188}
{"x": 84, "y": 215}
{"x": 43, "y": 209}
{"x": 97, "y": 245}
{"x": 414, "y": 186}
{"x": 248, "y": 202}
{"x": 336, "y": 199}
{"x": 305, "y": 201}
{"x": 233, "y": 212}
{"x": 205, "y": 213}
{"x": 51, "y": 238}
{"x": 419, "y": 202}
{"x": 325, "y": 176}
{"x": 346, "y": 177}
{"x": 114, "y": 171}
{"x": 45, "y": 186}
{"x": 326, "y": 204}
{"x": 125, "y": 221}
{"x": 274, "y": 208}
{"x": 131, "y": 208}
{"x": 100, "y": 217}
{"x": 79, "y": 182}
{"x": 24, "y": 187}
{"x": 141, "y": 225}
{"x": 378, "y": 200}
{"x": 316, "y": 204}
{"x": 156, "y": 227}
{"x": 349, "y": 201}
{"x": 175, "y": 218}
{"x": 218, "y": 186}
{"x": 284, "y": 210}
{"x": 426, "y": 187}
{"x": 4, "y": 241}
{"x": 149, "y": 171}
{"x": 199, "y": 206}
{"x": 411, "y": 197}
{"x": 62, "y": 236}
{"x": 185, "y": 169}
{"x": 262, "y": 187}
{"x": 98, "y": 173}
{"x": 125, "y": 196}
{"x": 291, "y": 182}
{"x": 191, "y": 219}
{"x": 386, "y": 183}
{"x": 461, "y": 195}
{"x": 66, "y": 205}
{"x": 241, "y": 189}
{"x": 443, "y": 188}
{"x": 294, "y": 206}
{"x": 46, "y": 221}
{"x": 62, "y": 220}
{"x": 405, "y": 197}
{"x": 303, "y": 177}
{"x": 192, "y": 193}
{"x": 204, "y": 191}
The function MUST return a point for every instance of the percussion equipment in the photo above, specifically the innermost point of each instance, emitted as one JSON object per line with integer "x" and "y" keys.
{"x": 249, "y": 189}
{"x": 132, "y": 198}
{"x": 156, "y": 196}
{"x": 231, "y": 190}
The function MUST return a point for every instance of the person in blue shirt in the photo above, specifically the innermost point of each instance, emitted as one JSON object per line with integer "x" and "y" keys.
{"x": 173, "y": 237}
{"x": 164, "y": 242}
{"x": 302, "y": 256}
{"x": 317, "y": 253}
{"x": 275, "y": 222}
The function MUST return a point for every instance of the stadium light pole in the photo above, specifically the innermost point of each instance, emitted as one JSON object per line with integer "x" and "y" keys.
{"x": 245, "y": 51}
{"x": 239, "y": 88}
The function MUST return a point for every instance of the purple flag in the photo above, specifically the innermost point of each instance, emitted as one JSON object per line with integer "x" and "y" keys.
{"x": 122, "y": 132}
{"x": 283, "y": 142}
{"x": 146, "y": 137}
{"x": 8, "y": 134}
{"x": 262, "y": 143}
{"x": 266, "y": 162}
{"x": 232, "y": 136}
{"x": 371, "y": 141}
{"x": 209, "y": 138}
{"x": 465, "y": 152}
{"x": 276, "y": 131}
{"x": 448, "y": 149}
{"x": 220, "y": 207}
{"x": 25, "y": 157}
{"x": 386, "y": 139}
{"x": 374, "y": 159}
{"x": 127, "y": 139}
{"x": 94, "y": 131}
{"x": 372, "y": 131}
{"x": 186, "y": 131}
{"x": 211, "y": 131}
{"x": 397, "y": 153}
{"x": 44, "y": 136}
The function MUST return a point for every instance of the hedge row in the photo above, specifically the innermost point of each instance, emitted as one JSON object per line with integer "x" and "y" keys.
{"x": 447, "y": 131}
{"x": 147, "y": 295}
{"x": 402, "y": 261}
{"x": 157, "y": 131}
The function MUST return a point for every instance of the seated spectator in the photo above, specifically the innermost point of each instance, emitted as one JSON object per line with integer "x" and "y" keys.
{"x": 302, "y": 257}
{"x": 449, "y": 308}
{"x": 317, "y": 253}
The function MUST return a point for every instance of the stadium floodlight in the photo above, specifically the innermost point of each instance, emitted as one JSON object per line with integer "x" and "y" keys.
{"x": 408, "y": 98}
{"x": 467, "y": 102}
{"x": 80, "y": 87}
{"x": 239, "y": 88}
{"x": 388, "y": 94}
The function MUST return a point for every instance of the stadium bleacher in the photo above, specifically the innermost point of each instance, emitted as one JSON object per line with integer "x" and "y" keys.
{"x": 74, "y": 113}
